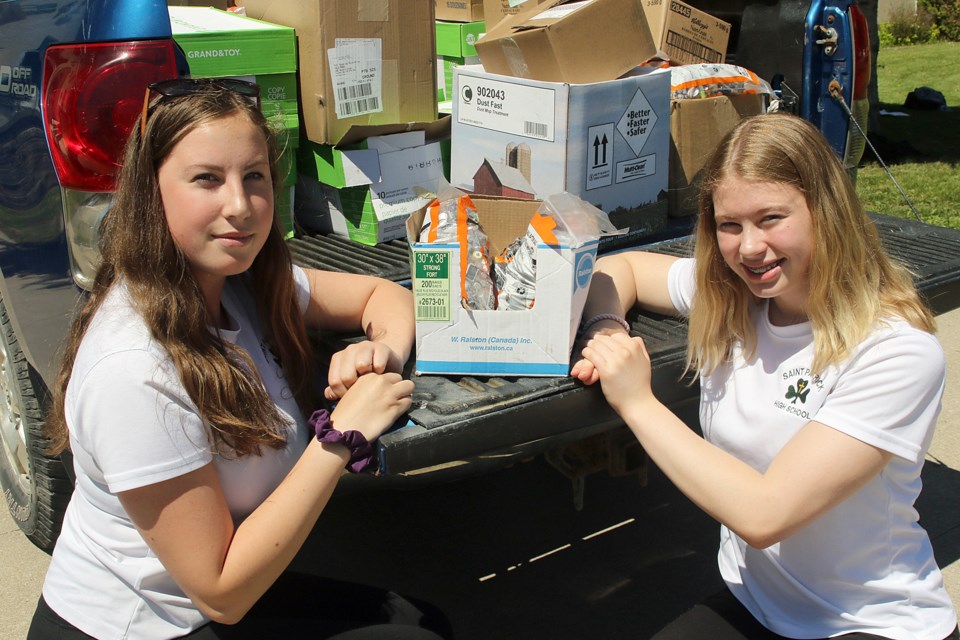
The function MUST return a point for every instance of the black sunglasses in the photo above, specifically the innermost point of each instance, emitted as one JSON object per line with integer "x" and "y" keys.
{"x": 184, "y": 86}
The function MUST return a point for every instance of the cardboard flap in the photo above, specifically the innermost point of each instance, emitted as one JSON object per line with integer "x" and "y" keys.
{"x": 433, "y": 130}
{"x": 361, "y": 167}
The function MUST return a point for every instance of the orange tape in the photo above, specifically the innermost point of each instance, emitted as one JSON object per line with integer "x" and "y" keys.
{"x": 434, "y": 212}
{"x": 462, "y": 239}
{"x": 544, "y": 226}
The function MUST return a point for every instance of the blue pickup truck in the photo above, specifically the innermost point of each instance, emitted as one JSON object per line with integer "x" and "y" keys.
{"x": 72, "y": 79}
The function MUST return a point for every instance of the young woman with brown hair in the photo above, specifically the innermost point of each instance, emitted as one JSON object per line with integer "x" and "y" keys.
{"x": 182, "y": 397}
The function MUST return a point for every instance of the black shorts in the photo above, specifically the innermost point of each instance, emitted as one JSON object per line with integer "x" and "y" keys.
{"x": 722, "y": 617}
{"x": 300, "y": 606}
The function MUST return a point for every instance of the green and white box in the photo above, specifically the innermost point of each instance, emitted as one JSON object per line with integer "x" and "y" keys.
{"x": 455, "y": 48}
{"x": 605, "y": 142}
{"x": 219, "y": 43}
{"x": 367, "y": 193}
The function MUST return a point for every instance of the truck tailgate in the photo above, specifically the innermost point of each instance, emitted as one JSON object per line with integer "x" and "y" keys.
{"x": 460, "y": 418}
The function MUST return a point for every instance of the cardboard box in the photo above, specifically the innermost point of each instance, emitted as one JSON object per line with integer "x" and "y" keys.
{"x": 696, "y": 128}
{"x": 366, "y": 190}
{"x": 686, "y": 34}
{"x": 496, "y": 10}
{"x": 534, "y": 342}
{"x": 455, "y": 47}
{"x": 361, "y": 62}
{"x": 605, "y": 142}
{"x": 577, "y": 42}
{"x": 218, "y": 43}
{"x": 460, "y": 10}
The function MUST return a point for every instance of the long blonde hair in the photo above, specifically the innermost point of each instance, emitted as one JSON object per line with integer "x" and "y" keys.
{"x": 853, "y": 282}
{"x": 138, "y": 250}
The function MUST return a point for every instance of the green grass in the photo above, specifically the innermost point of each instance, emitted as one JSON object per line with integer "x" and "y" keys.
{"x": 922, "y": 149}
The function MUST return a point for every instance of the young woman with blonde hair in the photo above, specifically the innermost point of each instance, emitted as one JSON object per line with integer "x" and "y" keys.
{"x": 821, "y": 384}
{"x": 183, "y": 393}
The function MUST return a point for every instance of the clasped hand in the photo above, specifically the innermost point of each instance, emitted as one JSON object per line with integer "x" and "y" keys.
{"x": 364, "y": 379}
{"x": 620, "y": 363}
{"x": 347, "y": 365}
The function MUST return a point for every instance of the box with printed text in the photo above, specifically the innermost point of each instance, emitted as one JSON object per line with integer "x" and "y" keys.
{"x": 687, "y": 35}
{"x": 532, "y": 342}
{"x": 606, "y": 142}
{"x": 361, "y": 63}
{"x": 365, "y": 189}
{"x": 460, "y": 10}
{"x": 496, "y": 10}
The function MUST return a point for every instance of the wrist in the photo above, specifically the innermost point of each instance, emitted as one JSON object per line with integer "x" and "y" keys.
{"x": 360, "y": 450}
{"x": 604, "y": 321}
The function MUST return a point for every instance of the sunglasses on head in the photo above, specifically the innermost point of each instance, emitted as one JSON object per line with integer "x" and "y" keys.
{"x": 185, "y": 86}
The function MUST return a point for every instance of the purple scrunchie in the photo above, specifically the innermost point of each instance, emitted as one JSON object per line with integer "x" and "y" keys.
{"x": 361, "y": 451}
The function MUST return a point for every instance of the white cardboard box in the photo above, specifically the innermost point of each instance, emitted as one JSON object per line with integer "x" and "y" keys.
{"x": 534, "y": 342}
{"x": 606, "y": 142}
{"x": 377, "y": 187}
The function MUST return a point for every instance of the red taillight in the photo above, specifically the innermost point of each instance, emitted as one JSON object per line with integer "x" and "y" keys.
{"x": 861, "y": 53}
{"x": 92, "y": 95}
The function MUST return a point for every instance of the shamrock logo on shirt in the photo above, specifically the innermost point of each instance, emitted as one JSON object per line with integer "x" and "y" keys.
{"x": 800, "y": 393}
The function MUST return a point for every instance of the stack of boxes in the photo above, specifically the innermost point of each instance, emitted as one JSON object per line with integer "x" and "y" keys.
{"x": 562, "y": 102}
{"x": 219, "y": 44}
{"x": 568, "y": 97}
{"x": 367, "y": 75}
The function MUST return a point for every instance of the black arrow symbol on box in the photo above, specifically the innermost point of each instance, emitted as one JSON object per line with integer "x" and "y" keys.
{"x": 597, "y": 144}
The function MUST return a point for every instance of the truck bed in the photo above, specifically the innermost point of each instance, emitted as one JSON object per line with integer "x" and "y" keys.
{"x": 457, "y": 418}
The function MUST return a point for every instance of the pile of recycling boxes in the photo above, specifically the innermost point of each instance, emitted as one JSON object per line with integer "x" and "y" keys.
{"x": 519, "y": 99}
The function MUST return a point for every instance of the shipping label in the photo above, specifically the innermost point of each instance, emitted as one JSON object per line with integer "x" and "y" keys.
{"x": 515, "y": 109}
{"x": 431, "y": 285}
{"x": 356, "y": 70}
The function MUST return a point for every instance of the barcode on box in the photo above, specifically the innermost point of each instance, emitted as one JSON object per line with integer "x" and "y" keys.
{"x": 681, "y": 47}
{"x": 535, "y": 129}
{"x": 431, "y": 312}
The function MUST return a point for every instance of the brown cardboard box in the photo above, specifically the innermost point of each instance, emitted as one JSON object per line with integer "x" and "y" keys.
{"x": 696, "y": 128}
{"x": 578, "y": 43}
{"x": 460, "y": 10}
{"x": 686, "y": 34}
{"x": 496, "y": 10}
{"x": 384, "y": 53}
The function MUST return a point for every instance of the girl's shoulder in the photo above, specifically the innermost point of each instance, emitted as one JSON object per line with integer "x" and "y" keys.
{"x": 895, "y": 342}
{"x": 117, "y": 332}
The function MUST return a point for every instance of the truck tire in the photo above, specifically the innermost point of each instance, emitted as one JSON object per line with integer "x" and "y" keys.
{"x": 35, "y": 487}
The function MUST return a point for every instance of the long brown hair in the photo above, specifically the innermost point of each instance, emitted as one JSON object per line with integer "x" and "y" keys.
{"x": 138, "y": 250}
{"x": 853, "y": 282}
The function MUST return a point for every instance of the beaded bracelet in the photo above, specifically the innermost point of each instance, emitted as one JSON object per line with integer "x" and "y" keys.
{"x": 605, "y": 316}
{"x": 361, "y": 451}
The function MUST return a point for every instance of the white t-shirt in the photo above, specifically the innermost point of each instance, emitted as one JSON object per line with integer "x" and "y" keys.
{"x": 866, "y": 565}
{"x": 132, "y": 424}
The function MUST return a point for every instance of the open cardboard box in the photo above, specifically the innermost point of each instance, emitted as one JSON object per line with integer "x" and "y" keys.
{"x": 577, "y": 42}
{"x": 533, "y": 342}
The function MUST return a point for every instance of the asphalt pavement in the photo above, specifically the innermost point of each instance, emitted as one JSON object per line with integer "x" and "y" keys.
{"x": 507, "y": 556}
